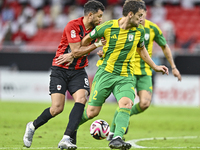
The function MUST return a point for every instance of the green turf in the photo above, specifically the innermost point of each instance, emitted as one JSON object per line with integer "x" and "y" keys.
{"x": 155, "y": 123}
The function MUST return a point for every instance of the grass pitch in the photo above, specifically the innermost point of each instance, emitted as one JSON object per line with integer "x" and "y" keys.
{"x": 157, "y": 128}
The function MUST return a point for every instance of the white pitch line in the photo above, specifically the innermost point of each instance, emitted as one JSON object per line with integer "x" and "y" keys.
{"x": 134, "y": 145}
{"x": 132, "y": 142}
{"x": 20, "y": 148}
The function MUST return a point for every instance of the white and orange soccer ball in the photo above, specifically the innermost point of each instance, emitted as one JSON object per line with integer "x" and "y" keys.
{"x": 99, "y": 129}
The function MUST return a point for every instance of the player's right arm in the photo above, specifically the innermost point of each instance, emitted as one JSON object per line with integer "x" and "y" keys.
{"x": 77, "y": 49}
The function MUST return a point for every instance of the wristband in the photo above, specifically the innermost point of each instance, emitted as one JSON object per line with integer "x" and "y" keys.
{"x": 98, "y": 43}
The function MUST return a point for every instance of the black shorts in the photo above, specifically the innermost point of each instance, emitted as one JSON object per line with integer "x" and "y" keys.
{"x": 62, "y": 80}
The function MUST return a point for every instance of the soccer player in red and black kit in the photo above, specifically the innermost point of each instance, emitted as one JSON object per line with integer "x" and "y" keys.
{"x": 71, "y": 77}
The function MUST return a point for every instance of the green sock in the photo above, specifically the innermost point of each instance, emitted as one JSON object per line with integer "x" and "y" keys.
{"x": 84, "y": 118}
{"x": 122, "y": 121}
{"x": 112, "y": 127}
{"x": 136, "y": 109}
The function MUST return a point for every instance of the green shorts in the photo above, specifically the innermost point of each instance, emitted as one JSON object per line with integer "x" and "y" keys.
{"x": 104, "y": 83}
{"x": 143, "y": 82}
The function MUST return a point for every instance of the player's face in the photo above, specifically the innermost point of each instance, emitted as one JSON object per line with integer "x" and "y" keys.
{"x": 137, "y": 18}
{"x": 96, "y": 18}
{"x": 144, "y": 17}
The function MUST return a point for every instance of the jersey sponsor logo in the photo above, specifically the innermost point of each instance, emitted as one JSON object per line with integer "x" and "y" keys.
{"x": 93, "y": 32}
{"x": 59, "y": 87}
{"x": 114, "y": 36}
{"x": 146, "y": 36}
{"x": 73, "y": 33}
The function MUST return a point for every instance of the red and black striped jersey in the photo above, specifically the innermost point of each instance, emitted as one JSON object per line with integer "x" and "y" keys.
{"x": 73, "y": 33}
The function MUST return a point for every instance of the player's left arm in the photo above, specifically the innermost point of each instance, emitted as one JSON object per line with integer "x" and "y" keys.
{"x": 167, "y": 52}
{"x": 145, "y": 56}
{"x": 161, "y": 41}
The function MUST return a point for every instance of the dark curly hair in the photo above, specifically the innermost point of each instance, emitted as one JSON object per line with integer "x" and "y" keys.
{"x": 93, "y": 6}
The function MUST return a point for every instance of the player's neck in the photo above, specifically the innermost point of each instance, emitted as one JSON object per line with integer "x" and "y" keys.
{"x": 87, "y": 24}
{"x": 123, "y": 23}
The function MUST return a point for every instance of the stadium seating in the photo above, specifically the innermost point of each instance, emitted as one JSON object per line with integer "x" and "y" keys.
{"x": 45, "y": 40}
{"x": 185, "y": 21}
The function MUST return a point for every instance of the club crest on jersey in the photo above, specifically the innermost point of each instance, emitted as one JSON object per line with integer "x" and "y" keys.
{"x": 130, "y": 37}
{"x": 73, "y": 33}
{"x": 59, "y": 87}
{"x": 146, "y": 36}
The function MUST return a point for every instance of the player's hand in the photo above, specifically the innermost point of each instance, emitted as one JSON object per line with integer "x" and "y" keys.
{"x": 100, "y": 42}
{"x": 100, "y": 53}
{"x": 162, "y": 69}
{"x": 65, "y": 58}
{"x": 176, "y": 73}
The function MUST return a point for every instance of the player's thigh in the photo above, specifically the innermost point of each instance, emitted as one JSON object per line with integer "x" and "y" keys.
{"x": 144, "y": 88}
{"x": 101, "y": 87}
{"x": 144, "y": 82}
{"x": 58, "y": 86}
{"x": 58, "y": 100}
{"x": 58, "y": 82}
{"x": 124, "y": 88}
{"x": 80, "y": 96}
{"x": 78, "y": 85}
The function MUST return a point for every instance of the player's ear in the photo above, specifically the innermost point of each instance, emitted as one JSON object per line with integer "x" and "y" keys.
{"x": 90, "y": 15}
{"x": 130, "y": 14}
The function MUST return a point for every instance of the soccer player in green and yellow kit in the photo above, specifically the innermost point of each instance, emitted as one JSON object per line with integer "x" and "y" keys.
{"x": 143, "y": 72}
{"x": 115, "y": 72}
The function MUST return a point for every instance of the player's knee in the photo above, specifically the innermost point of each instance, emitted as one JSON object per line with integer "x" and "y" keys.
{"x": 81, "y": 100}
{"x": 125, "y": 103}
{"x": 145, "y": 104}
{"x": 56, "y": 110}
{"x": 92, "y": 114}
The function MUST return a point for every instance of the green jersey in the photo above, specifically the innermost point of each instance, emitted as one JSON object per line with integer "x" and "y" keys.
{"x": 152, "y": 33}
{"x": 119, "y": 51}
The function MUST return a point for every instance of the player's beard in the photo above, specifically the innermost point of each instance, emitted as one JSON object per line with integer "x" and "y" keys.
{"x": 134, "y": 24}
{"x": 93, "y": 24}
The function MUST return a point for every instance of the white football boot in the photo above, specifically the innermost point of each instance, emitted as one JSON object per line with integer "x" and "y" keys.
{"x": 66, "y": 143}
{"x": 28, "y": 136}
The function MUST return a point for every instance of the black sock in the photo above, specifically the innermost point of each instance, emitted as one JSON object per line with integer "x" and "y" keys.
{"x": 74, "y": 118}
{"x": 43, "y": 118}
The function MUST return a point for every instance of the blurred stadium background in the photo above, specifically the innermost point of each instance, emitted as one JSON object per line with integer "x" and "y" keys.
{"x": 30, "y": 32}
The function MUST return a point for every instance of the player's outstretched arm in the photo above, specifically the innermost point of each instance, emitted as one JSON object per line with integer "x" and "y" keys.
{"x": 145, "y": 56}
{"x": 168, "y": 55}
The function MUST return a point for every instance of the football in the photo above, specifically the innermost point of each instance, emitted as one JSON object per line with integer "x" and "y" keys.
{"x": 99, "y": 129}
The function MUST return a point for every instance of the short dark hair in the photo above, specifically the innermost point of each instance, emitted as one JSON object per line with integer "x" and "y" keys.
{"x": 133, "y": 5}
{"x": 93, "y": 6}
